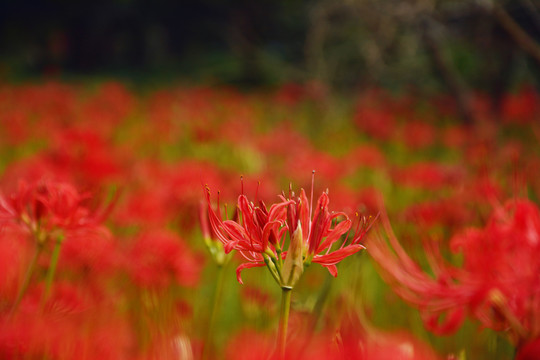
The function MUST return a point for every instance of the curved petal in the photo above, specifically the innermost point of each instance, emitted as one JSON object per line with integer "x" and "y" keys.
{"x": 334, "y": 234}
{"x": 215, "y": 220}
{"x": 245, "y": 240}
{"x": 279, "y": 211}
{"x": 442, "y": 323}
{"x": 332, "y": 269}
{"x": 251, "y": 256}
{"x": 303, "y": 214}
{"x": 248, "y": 216}
{"x": 319, "y": 224}
{"x": 234, "y": 230}
{"x": 229, "y": 246}
{"x": 269, "y": 229}
{"x": 280, "y": 236}
{"x": 336, "y": 256}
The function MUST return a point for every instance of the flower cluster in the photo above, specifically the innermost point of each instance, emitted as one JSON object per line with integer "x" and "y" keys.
{"x": 498, "y": 283}
{"x": 288, "y": 236}
{"x": 138, "y": 287}
{"x": 48, "y": 209}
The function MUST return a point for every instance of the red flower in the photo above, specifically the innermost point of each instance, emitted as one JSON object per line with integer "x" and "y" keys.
{"x": 360, "y": 340}
{"x": 260, "y": 235}
{"x": 498, "y": 283}
{"x": 257, "y": 233}
{"x": 521, "y": 108}
{"x": 318, "y": 233}
{"x": 418, "y": 134}
{"x": 44, "y": 206}
{"x": 160, "y": 258}
{"x": 427, "y": 175}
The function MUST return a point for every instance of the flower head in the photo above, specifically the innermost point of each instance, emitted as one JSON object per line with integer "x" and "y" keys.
{"x": 498, "y": 283}
{"x": 288, "y": 236}
{"x": 44, "y": 207}
{"x": 214, "y": 246}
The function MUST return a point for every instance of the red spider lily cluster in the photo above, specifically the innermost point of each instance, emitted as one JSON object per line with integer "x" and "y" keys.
{"x": 102, "y": 255}
{"x": 261, "y": 234}
{"x": 498, "y": 283}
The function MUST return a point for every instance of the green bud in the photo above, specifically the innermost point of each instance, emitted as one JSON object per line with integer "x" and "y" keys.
{"x": 293, "y": 266}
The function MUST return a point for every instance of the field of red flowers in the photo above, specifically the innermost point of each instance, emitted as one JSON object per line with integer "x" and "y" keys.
{"x": 208, "y": 223}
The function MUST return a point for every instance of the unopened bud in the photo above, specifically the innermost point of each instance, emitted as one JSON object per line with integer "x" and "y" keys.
{"x": 293, "y": 266}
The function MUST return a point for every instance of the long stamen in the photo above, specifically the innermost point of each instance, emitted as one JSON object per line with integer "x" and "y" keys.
{"x": 361, "y": 223}
{"x": 311, "y": 200}
{"x": 242, "y": 184}
{"x": 348, "y": 235}
{"x": 219, "y": 214}
{"x": 346, "y": 239}
{"x": 290, "y": 191}
{"x": 257, "y": 191}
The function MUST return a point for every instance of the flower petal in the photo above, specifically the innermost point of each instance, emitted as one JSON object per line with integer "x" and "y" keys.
{"x": 336, "y": 256}
{"x": 332, "y": 269}
{"x": 335, "y": 233}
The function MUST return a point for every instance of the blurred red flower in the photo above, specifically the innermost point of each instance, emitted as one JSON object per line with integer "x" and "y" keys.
{"x": 43, "y": 206}
{"x": 498, "y": 283}
{"x": 160, "y": 258}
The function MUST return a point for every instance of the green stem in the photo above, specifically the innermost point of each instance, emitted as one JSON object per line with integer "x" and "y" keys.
{"x": 283, "y": 320}
{"x": 27, "y": 278}
{"x": 208, "y": 345}
{"x": 273, "y": 271}
{"x": 51, "y": 271}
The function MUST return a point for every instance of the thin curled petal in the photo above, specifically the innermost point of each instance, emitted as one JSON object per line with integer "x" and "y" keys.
{"x": 332, "y": 269}
{"x": 335, "y": 233}
{"x": 338, "y": 255}
{"x": 279, "y": 211}
{"x": 452, "y": 321}
{"x": 248, "y": 217}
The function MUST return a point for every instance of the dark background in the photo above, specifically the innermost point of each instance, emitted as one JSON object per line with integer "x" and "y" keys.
{"x": 438, "y": 45}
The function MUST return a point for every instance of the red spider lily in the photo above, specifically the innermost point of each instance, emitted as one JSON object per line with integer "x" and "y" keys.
{"x": 348, "y": 343}
{"x": 50, "y": 214}
{"x": 252, "y": 238}
{"x": 418, "y": 134}
{"x": 250, "y": 345}
{"x": 65, "y": 331}
{"x": 359, "y": 340}
{"x": 44, "y": 206}
{"x": 369, "y": 156}
{"x": 260, "y": 235}
{"x": 375, "y": 121}
{"x": 318, "y": 233}
{"x": 214, "y": 246}
{"x": 160, "y": 258}
{"x": 521, "y": 108}
{"x": 498, "y": 283}
{"x": 449, "y": 212}
{"x": 428, "y": 175}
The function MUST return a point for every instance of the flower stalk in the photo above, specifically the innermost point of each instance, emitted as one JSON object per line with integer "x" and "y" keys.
{"x": 283, "y": 321}
{"x": 52, "y": 269}
{"x": 286, "y": 237}
{"x": 216, "y": 302}
{"x": 221, "y": 259}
